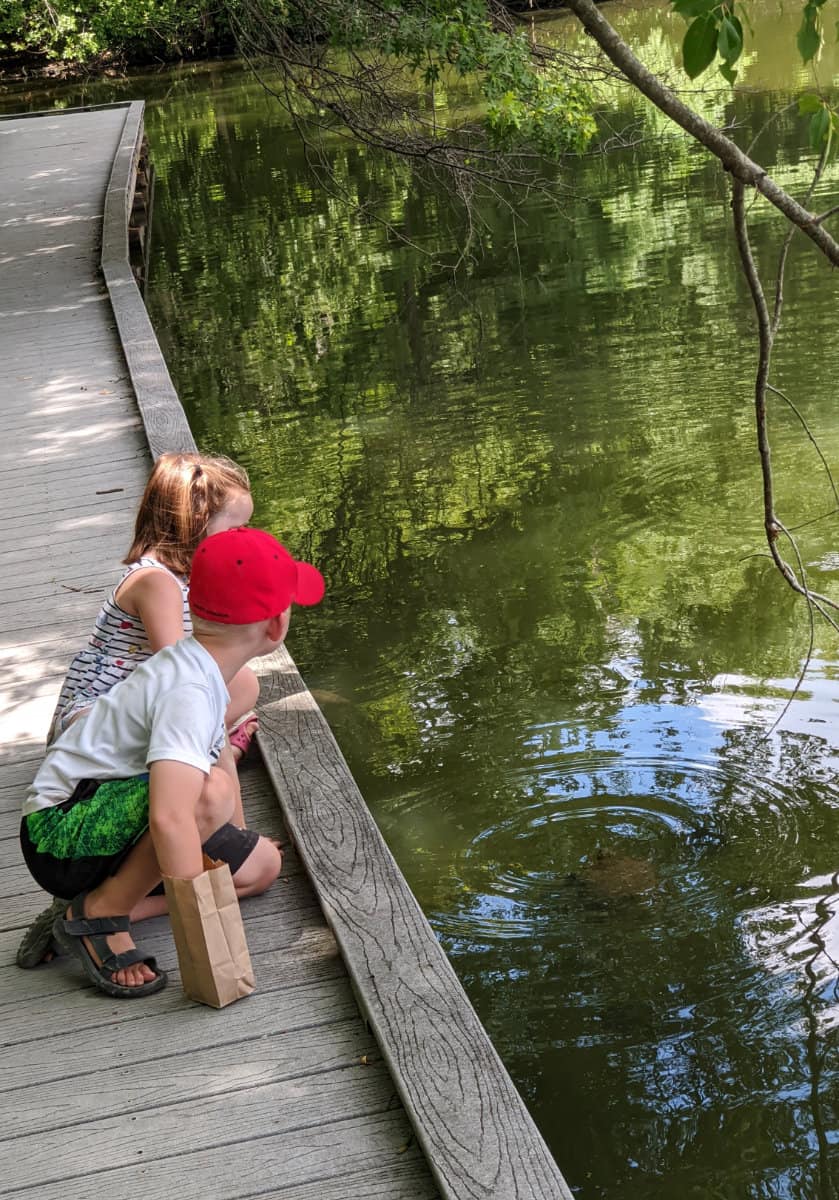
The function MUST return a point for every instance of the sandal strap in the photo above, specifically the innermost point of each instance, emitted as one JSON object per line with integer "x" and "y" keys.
{"x": 116, "y": 962}
{"x": 96, "y": 930}
{"x": 93, "y": 926}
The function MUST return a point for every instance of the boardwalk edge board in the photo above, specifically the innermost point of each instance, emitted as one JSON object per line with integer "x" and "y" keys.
{"x": 477, "y": 1135}
{"x": 167, "y": 429}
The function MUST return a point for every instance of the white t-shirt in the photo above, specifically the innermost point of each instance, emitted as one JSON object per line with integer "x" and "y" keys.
{"x": 171, "y": 707}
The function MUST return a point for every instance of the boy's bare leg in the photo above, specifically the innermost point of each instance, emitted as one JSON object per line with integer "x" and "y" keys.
{"x": 118, "y": 895}
{"x": 124, "y": 892}
{"x": 256, "y": 874}
{"x": 260, "y": 868}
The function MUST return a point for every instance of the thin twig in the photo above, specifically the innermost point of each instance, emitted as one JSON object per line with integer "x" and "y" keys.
{"x": 777, "y": 391}
{"x": 772, "y": 525}
{"x": 787, "y": 242}
{"x": 811, "y": 642}
{"x": 823, "y": 216}
{"x": 813, "y": 520}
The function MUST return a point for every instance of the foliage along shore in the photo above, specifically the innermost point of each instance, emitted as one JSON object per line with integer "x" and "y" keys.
{"x": 66, "y": 39}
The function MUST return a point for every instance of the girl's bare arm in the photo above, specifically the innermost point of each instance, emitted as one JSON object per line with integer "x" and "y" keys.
{"x": 156, "y": 598}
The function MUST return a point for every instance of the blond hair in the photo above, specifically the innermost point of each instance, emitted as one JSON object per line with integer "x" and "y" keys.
{"x": 183, "y": 493}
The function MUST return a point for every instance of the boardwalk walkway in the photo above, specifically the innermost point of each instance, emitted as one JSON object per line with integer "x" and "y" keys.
{"x": 286, "y": 1094}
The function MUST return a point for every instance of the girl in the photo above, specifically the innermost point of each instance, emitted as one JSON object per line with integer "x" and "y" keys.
{"x": 187, "y": 498}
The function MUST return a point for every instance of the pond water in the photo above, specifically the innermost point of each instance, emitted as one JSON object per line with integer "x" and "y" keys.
{"x": 550, "y": 650}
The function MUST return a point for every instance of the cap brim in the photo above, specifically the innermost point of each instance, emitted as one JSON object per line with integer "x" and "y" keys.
{"x": 310, "y": 585}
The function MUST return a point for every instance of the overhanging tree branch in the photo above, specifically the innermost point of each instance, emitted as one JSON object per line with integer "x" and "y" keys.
{"x": 773, "y": 526}
{"x": 742, "y": 167}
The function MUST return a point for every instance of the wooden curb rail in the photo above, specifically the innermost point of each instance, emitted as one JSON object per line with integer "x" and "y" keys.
{"x": 478, "y": 1137}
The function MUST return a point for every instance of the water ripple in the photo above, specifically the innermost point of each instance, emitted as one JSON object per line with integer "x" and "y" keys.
{"x": 666, "y": 840}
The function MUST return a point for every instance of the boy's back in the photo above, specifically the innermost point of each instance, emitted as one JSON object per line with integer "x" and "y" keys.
{"x": 170, "y": 707}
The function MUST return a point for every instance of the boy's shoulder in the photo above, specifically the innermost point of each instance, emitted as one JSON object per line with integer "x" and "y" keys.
{"x": 185, "y": 660}
{"x": 186, "y": 663}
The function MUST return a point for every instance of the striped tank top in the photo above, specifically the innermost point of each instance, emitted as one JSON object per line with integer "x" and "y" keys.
{"x": 117, "y": 644}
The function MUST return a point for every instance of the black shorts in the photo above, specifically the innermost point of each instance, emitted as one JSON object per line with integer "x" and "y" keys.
{"x": 76, "y": 845}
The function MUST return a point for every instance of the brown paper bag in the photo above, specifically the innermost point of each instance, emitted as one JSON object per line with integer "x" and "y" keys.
{"x": 210, "y": 937}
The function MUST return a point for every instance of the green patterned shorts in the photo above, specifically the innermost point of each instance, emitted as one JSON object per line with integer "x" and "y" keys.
{"x": 74, "y": 846}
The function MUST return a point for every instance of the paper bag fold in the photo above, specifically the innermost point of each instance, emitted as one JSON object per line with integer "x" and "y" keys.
{"x": 209, "y": 936}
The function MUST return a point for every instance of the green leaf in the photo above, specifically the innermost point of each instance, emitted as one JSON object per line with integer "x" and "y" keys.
{"x": 730, "y": 39}
{"x": 819, "y": 127}
{"x": 809, "y": 38}
{"x": 700, "y": 45}
{"x": 728, "y": 72}
{"x": 808, "y": 103}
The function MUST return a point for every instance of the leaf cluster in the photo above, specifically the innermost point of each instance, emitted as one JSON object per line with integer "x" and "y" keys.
{"x": 824, "y": 124}
{"x": 380, "y": 64}
{"x": 81, "y": 30}
{"x": 528, "y": 99}
{"x": 714, "y": 30}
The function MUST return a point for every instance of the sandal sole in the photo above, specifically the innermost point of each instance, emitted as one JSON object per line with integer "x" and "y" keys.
{"x": 38, "y": 939}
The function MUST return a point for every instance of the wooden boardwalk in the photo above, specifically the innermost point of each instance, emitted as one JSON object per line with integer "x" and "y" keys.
{"x": 287, "y": 1094}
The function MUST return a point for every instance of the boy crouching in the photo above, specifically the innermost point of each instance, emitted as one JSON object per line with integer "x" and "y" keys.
{"x": 132, "y": 791}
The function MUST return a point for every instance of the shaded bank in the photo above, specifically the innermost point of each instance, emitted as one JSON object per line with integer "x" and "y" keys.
{"x": 71, "y": 38}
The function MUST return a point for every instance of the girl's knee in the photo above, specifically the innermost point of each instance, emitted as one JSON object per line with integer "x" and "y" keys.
{"x": 217, "y": 799}
{"x": 260, "y": 868}
{"x": 244, "y": 694}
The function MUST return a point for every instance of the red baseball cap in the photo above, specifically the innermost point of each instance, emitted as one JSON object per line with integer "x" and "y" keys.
{"x": 244, "y": 575}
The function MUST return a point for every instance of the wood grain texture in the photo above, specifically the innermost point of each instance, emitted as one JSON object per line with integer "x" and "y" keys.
{"x": 166, "y": 427}
{"x": 311, "y": 1154}
{"x": 477, "y": 1135}
{"x": 213, "y": 1071}
{"x": 195, "y": 1122}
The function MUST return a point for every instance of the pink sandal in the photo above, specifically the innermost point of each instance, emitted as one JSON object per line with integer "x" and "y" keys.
{"x": 241, "y": 735}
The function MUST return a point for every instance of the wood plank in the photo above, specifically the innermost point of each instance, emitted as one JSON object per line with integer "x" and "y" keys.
{"x": 166, "y": 1024}
{"x": 222, "y": 1070}
{"x": 290, "y": 1158}
{"x": 292, "y": 952}
{"x": 195, "y": 1123}
{"x": 405, "y": 1181}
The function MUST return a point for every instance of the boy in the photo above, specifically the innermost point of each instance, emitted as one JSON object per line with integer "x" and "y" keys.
{"x": 132, "y": 790}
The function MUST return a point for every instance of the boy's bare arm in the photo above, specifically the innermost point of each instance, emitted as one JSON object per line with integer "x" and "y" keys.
{"x": 175, "y": 791}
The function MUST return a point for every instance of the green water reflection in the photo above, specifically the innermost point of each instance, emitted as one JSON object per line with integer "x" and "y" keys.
{"x": 550, "y": 665}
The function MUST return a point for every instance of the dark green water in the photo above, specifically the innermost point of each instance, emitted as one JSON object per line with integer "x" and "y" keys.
{"x": 532, "y": 487}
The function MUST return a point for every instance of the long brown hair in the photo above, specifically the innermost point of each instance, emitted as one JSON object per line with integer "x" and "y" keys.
{"x": 183, "y": 492}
